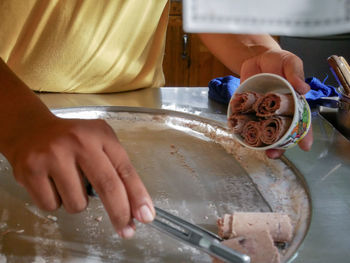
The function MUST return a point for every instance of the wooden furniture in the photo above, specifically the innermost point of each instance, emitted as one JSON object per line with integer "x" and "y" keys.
{"x": 187, "y": 62}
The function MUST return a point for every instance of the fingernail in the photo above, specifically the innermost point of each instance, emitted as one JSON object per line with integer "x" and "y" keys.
{"x": 146, "y": 214}
{"x": 127, "y": 232}
{"x": 308, "y": 146}
{"x": 305, "y": 88}
{"x": 273, "y": 154}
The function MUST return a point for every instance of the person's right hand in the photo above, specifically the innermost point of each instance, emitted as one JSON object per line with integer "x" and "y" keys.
{"x": 51, "y": 156}
{"x": 287, "y": 65}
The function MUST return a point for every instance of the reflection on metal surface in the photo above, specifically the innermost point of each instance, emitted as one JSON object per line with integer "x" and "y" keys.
{"x": 195, "y": 171}
{"x": 144, "y": 97}
{"x": 196, "y": 236}
{"x": 330, "y": 198}
{"x": 326, "y": 169}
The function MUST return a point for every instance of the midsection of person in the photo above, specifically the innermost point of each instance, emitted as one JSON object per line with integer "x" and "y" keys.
{"x": 84, "y": 46}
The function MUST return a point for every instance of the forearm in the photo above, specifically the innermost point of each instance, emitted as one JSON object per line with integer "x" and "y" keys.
{"x": 49, "y": 156}
{"x": 232, "y": 50}
{"x": 19, "y": 107}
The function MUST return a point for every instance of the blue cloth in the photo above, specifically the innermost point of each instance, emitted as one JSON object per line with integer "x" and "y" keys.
{"x": 221, "y": 89}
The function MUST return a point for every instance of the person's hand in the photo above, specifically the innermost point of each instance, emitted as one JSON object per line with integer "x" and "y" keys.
{"x": 50, "y": 158}
{"x": 290, "y": 67}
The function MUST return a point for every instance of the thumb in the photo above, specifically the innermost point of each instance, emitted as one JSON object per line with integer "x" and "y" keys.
{"x": 294, "y": 72}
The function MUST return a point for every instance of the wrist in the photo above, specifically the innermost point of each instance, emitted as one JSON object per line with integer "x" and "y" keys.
{"x": 20, "y": 126}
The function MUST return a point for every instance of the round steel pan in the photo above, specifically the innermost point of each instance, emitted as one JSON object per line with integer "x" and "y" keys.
{"x": 192, "y": 168}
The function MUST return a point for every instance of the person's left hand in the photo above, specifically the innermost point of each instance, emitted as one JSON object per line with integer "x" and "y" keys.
{"x": 290, "y": 67}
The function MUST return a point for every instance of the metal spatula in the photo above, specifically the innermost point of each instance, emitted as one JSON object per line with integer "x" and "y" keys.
{"x": 196, "y": 236}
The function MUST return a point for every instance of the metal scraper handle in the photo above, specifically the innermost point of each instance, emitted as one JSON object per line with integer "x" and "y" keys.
{"x": 189, "y": 233}
{"x": 196, "y": 236}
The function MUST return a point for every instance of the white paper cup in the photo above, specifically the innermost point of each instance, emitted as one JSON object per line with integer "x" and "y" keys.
{"x": 301, "y": 122}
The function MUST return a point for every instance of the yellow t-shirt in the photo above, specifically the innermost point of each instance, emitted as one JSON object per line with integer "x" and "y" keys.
{"x": 84, "y": 46}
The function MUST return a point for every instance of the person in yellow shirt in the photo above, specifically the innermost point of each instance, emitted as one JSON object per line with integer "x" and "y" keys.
{"x": 97, "y": 47}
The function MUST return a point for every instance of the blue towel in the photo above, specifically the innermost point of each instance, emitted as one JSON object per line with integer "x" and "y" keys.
{"x": 221, "y": 89}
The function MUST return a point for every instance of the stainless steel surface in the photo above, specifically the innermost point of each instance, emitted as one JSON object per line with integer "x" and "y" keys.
{"x": 344, "y": 66}
{"x": 343, "y": 114}
{"x": 173, "y": 152}
{"x": 325, "y": 168}
{"x": 204, "y": 187}
{"x": 340, "y": 69}
{"x": 196, "y": 236}
{"x": 188, "y": 233}
{"x": 337, "y": 112}
{"x": 340, "y": 72}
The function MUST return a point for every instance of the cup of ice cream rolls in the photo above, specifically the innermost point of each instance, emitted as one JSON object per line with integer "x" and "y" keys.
{"x": 265, "y": 112}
